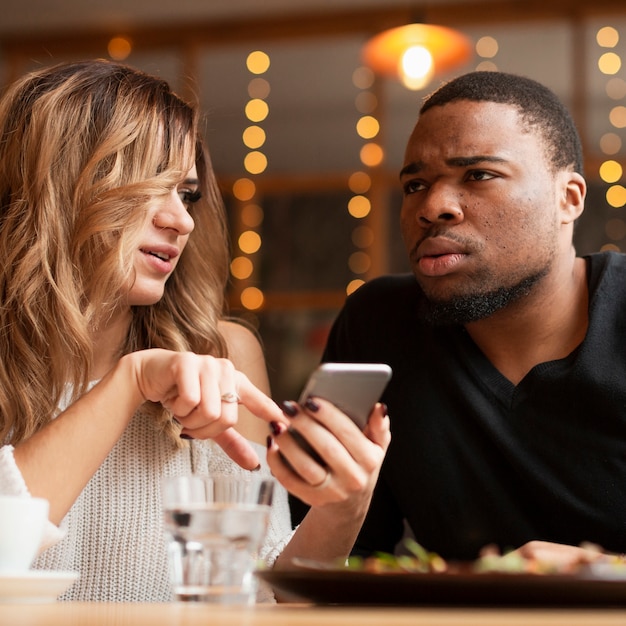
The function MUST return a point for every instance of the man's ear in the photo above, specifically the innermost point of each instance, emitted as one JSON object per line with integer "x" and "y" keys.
{"x": 573, "y": 192}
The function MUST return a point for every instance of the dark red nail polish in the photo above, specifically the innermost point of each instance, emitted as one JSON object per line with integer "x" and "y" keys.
{"x": 312, "y": 405}
{"x": 185, "y": 436}
{"x": 277, "y": 428}
{"x": 289, "y": 407}
{"x": 269, "y": 441}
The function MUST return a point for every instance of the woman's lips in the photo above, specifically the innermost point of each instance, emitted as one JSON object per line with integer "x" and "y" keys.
{"x": 160, "y": 258}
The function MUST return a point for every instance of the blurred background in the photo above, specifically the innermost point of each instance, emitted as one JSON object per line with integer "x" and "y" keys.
{"x": 307, "y": 132}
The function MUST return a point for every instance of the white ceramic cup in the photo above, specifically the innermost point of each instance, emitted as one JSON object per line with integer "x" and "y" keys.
{"x": 22, "y": 522}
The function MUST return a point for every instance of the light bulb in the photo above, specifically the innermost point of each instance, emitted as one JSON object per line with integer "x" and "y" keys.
{"x": 416, "y": 67}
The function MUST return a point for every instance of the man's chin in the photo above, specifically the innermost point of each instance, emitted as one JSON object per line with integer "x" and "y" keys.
{"x": 453, "y": 312}
{"x": 464, "y": 309}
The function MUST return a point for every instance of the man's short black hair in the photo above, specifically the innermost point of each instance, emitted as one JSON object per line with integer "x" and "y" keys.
{"x": 539, "y": 107}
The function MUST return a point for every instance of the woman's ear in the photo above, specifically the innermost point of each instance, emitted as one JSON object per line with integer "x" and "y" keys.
{"x": 574, "y": 190}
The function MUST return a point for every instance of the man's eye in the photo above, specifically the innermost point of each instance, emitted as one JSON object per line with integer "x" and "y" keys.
{"x": 412, "y": 186}
{"x": 188, "y": 197}
{"x": 480, "y": 175}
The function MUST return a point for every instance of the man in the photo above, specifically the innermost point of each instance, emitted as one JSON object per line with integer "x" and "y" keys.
{"x": 508, "y": 397}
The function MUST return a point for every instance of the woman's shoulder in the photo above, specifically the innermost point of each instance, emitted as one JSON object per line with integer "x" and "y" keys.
{"x": 237, "y": 330}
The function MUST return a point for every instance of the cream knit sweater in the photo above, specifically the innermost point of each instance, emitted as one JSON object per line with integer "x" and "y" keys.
{"x": 113, "y": 534}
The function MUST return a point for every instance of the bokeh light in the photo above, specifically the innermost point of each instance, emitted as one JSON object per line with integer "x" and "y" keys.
{"x": 487, "y": 47}
{"x": 259, "y": 88}
{"x": 610, "y": 143}
{"x": 252, "y": 215}
{"x": 610, "y": 171}
{"x": 257, "y": 110}
{"x": 253, "y": 137}
{"x": 359, "y": 182}
{"x": 353, "y": 285}
{"x": 617, "y": 116}
{"x": 119, "y": 48}
{"x": 609, "y": 63}
{"x": 258, "y": 62}
{"x": 616, "y": 196}
{"x": 362, "y": 236}
{"x": 252, "y": 298}
{"x": 363, "y": 77}
{"x": 255, "y": 162}
{"x": 241, "y": 267}
{"x": 371, "y": 154}
{"x": 359, "y": 206}
{"x": 244, "y": 189}
{"x": 607, "y": 37}
{"x": 359, "y": 262}
{"x": 249, "y": 241}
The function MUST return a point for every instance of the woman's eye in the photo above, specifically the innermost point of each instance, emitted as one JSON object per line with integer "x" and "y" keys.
{"x": 188, "y": 197}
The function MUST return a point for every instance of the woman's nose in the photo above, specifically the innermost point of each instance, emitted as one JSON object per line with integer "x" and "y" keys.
{"x": 173, "y": 214}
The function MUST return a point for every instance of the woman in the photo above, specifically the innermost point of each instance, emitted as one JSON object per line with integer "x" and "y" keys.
{"x": 116, "y": 366}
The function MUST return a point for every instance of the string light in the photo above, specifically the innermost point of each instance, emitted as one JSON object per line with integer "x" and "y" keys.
{"x": 610, "y": 170}
{"x": 371, "y": 154}
{"x": 255, "y": 162}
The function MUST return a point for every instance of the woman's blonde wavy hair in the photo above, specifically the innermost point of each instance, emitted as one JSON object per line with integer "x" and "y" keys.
{"x": 84, "y": 148}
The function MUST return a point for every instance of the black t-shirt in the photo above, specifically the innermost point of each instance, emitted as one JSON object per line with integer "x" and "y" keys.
{"x": 476, "y": 460}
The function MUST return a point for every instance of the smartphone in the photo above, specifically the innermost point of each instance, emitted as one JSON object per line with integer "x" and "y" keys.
{"x": 354, "y": 388}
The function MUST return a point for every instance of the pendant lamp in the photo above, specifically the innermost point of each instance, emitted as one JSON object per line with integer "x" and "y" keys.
{"x": 415, "y": 53}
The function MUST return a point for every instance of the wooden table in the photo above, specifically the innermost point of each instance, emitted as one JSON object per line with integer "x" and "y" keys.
{"x": 109, "y": 614}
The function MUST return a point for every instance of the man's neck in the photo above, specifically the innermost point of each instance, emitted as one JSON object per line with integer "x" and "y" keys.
{"x": 547, "y": 325}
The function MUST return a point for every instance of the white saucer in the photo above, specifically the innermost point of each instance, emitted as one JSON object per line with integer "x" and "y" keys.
{"x": 34, "y": 586}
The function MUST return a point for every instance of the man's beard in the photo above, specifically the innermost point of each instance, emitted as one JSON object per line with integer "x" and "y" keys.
{"x": 474, "y": 307}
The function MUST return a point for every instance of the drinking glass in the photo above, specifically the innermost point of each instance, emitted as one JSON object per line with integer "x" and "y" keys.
{"x": 215, "y": 526}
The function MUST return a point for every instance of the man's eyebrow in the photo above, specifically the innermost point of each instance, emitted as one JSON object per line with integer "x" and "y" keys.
{"x": 474, "y": 160}
{"x": 415, "y": 167}
{"x": 411, "y": 168}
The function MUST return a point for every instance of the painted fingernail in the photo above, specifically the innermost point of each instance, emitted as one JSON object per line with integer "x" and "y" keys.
{"x": 269, "y": 442}
{"x": 257, "y": 468}
{"x": 312, "y": 405}
{"x": 185, "y": 436}
{"x": 289, "y": 407}
{"x": 277, "y": 428}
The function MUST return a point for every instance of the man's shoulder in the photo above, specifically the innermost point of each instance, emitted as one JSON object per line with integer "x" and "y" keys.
{"x": 606, "y": 268}
{"x": 607, "y": 258}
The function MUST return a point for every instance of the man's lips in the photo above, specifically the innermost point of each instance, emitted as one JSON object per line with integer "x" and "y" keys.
{"x": 438, "y": 257}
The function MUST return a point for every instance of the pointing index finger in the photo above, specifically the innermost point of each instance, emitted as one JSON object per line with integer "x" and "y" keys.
{"x": 257, "y": 402}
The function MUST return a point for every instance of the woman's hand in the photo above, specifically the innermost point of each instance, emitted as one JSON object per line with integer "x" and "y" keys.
{"x": 338, "y": 486}
{"x": 203, "y": 393}
{"x": 346, "y": 461}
